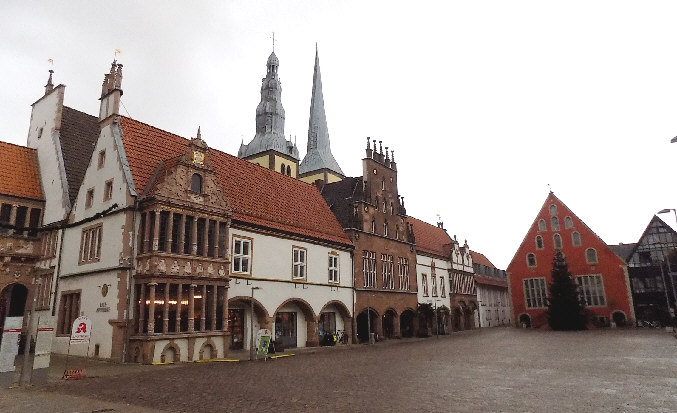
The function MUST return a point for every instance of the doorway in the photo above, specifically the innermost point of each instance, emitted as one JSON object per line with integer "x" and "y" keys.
{"x": 285, "y": 329}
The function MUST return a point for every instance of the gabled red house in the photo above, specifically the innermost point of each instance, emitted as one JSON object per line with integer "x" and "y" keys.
{"x": 601, "y": 275}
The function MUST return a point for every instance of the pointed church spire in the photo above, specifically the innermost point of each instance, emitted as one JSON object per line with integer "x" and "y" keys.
{"x": 49, "y": 86}
{"x": 319, "y": 154}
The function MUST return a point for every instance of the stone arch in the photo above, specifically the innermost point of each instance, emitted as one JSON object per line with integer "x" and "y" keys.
{"x": 367, "y": 319}
{"x": 524, "y": 320}
{"x": 171, "y": 353}
{"x": 343, "y": 310}
{"x": 619, "y": 317}
{"x": 312, "y": 339}
{"x": 208, "y": 350}
{"x": 407, "y": 322}
{"x": 390, "y": 323}
{"x": 260, "y": 310}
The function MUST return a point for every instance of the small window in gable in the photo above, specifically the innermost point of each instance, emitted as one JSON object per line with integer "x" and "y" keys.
{"x": 288, "y": 170}
{"x": 282, "y": 169}
{"x": 576, "y": 239}
{"x": 373, "y": 225}
{"x": 196, "y": 183}
{"x": 554, "y": 223}
{"x": 539, "y": 242}
{"x": 89, "y": 200}
{"x": 542, "y": 225}
{"x": 385, "y": 229}
{"x": 553, "y": 209}
{"x": 531, "y": 259}
{"x": 102, "y": 158}
{"x": 557, "y": 240}
{"x": 108, "y": 190}
{"x": 591, "y": 256}
{"x": 383, "y": 184}
{"x": 568, "y": 222}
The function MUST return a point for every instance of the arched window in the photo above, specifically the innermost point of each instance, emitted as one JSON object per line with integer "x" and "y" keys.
{"x": 591, "y": 256}
{"x": 196, "y": 183}
{"x": 557, "y": 240}
{"x": 531, "y": 260}
{"x": 385, "y": 229}
{"x": 541, "y": 225}
{"x": 373, "y": 225}
{"x": 553, "y": 209}
{"x": 282, "y": 169}
{"x": 575, "y": 239}
{"x": 397, "y": 232}
{"x": 288, "y": 170}
{"x": 554, "y": 224}
{"x": 539, "y": 242}
{"x": 568, "y": 222}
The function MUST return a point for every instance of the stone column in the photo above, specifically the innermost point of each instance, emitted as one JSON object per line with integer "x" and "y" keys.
{"x": 205, "y": 238}
{"x": 151, "y": 308}
{"x": 203, "y": 309}
{"x": 179, "y": 287}
{"x": 215, "y": 303}
{"x": 170, "y": 231}
{"x": 396, "y": 327}
{"x": 225, "y": 308}
{"x": 156, "y": 231}
{"x": 165, "y": 310}
{"x": 312, "y": 339}
{"x": 193, "y": 231}
{"x": 146, "y": 233}
{"x": 182, "y": 230}
{"x": 191, "y": 308}
{"x": 216, "y": 239}
{"x": 142, "y": 307}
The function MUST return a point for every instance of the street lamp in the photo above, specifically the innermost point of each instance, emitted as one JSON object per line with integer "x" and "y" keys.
{"x": 251, "y": 325}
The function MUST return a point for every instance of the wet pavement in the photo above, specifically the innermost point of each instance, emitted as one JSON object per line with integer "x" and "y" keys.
{"x": 502, "y": 370}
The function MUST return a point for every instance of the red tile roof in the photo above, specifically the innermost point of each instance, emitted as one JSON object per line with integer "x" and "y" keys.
{"x": 19, "y": 172}
{"x": 257, "y": 195}
{"x": 430, "y": 238}
{"x": 479, "y": 258}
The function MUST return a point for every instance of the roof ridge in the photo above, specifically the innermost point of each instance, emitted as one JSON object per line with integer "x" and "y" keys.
{"x": 19, "y": 146}
{"x": 79, "y": 111}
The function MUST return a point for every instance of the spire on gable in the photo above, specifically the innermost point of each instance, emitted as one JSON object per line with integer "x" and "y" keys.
{"x": 111, "y": 92}
{"x": 319, "y": 154}
{"x": 49, "y": 86}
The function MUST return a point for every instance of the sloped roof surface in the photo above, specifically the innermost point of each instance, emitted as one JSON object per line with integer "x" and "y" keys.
{"x": 339, "y": 196}
{"x": 623, "y": 250}
{"x": 79, "y": 133}
{"x": 19, "y": 173}
{"x": 430, "y": 238}
{"x": 257, "y": 195}
{"x": 479, "y": 258}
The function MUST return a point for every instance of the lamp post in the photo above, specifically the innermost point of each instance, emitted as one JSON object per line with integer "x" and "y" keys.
{"x": 251, "y": 325}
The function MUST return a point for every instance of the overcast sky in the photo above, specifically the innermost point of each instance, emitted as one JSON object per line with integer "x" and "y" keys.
{"x": 485, "y": 103}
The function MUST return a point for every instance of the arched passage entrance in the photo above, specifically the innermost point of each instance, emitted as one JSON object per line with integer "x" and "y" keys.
{"x": 525, "y": 320}
{"x": 12, "y": 302}
{"x": 390, "y": 324}
{"x": 407, "y": 323}
{"x": 365, "y": 324}
{"x": 295, "y": 324}
{"x": 335, "y": 318}
{"x": 239, "y": 312}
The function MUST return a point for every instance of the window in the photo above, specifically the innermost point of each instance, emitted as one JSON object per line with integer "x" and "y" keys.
{"x": 369, "y": 268}
{"x": 424, "y": 284}
{"x": 385, "y": 229}
{"x": 299, "y": 262}
{"x": 391, "y": 208}
{"x": 534, "y": 292}
{"x": 433, "y": 279}
{"x": 5, "y": 212}
{"x": 20, "y": 219}
{"x": 242, "y": 254}
{"x": 443, "y": 289}
{"x": 539, "y": 242}
{"x": 591, "y": 290}
{"x": 591, "y": 256}
{"x": 34, "y": 221}
{"x": 384, "y": 207}
{"x": 553, "y": 209}
{"x": 373, "y": 225}
{"x": 333, "y": 268}
{"x": 531, "y": 260}
{"x": 557, "y": 241}
{"x": 90, "y": 244}
{"x": 283, "y": 170}
{"x": 568, "y": 222}
{"x": 69, "y": 310}
{"x": 403, "y": 271}
{"x": 102, "y": 158}
{"x": 554, "y": 224}
{"x": 44, "y": 284}
{"x": 288, "y": 170}
{"x": 108, "y": 191}
{"x": 327, "y": 323}
{"x": 576, "y": 239}
{"x": 387, "y": 271}
{"x": 541, "y": 225}
{"x": 383, "y": 184}
{"x": 49, "y": 240}
{"x": 196, "y": 183}
{"x": 89, "y": 200}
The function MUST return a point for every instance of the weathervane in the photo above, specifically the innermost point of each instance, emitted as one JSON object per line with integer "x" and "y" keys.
{"x": 116, "y": 53}
{"x": 273, "y": 42}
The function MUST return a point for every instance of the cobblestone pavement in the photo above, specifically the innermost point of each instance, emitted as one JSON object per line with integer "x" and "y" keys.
{"x": 503, "y": 370}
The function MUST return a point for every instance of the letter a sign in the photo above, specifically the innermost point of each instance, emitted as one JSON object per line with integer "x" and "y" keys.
{"x": 82, "y": 330}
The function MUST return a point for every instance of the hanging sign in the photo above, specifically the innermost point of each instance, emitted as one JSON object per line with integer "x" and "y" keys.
{"x": 81, "y": 331}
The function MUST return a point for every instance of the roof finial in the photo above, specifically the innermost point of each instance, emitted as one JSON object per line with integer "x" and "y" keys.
{"x": 49, "y": 86}
{"x": 368, "y": 146}
{"x": 392, "y": 155}
{"x": 387, "y": 157}
{"x": 273, "y": 42}
{"x": 549, "y": 189}
{"x": 199, "y": 135}
{"x": 380, "y": 147}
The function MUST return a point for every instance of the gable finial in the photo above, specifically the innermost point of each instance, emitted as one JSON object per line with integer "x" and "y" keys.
{"x": 392, "y": 155}
{"x": 199, "y": 135}
{"x": 368, "y": 143}
{"x": 49, "y": 86}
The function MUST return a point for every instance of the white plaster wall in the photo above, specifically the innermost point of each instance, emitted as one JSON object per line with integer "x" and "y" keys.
{"x": 497, "y": 301}
{"x": 90, "y": 300}
{"x": 441, "y": 270}
{"x": 111, "y": 248}
{"x": 44, "y": 115}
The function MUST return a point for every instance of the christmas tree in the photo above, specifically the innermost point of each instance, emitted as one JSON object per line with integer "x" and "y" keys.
{"x": 565, "y": 306}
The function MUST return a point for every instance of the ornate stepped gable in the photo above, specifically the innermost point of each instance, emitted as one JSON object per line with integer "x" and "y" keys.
{"x": 319, "y": 154}
{"x": 257, "y": 196}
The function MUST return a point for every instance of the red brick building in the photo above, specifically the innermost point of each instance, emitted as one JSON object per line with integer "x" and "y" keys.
{"x": 600, "y": 273}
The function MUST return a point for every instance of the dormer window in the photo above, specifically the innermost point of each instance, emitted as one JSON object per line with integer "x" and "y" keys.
{"x": 196, "y": 183}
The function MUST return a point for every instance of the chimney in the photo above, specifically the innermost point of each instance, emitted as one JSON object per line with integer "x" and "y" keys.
{"x": 111, "y": 92}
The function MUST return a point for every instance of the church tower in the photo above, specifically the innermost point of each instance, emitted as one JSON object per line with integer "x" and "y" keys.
{"x": 269, "y": 148}
{"x": 319, "y": 163}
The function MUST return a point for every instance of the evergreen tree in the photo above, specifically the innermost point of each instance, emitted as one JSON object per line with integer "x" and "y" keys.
{"x": 566, "y": 310}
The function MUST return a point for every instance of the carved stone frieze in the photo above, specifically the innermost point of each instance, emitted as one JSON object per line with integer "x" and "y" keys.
{"x": 190, "y": 266}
